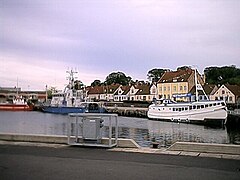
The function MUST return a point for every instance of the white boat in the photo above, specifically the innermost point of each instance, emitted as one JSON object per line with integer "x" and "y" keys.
{"x": 192, "y": 112}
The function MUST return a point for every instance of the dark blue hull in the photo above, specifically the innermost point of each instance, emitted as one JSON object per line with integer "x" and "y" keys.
{"x": 66, "y": 110}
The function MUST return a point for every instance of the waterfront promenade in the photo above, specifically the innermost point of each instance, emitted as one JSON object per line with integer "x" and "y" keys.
{"x": 66, "y": 162}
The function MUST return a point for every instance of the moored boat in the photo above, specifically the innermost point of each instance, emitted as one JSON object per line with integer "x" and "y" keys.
{"x": 71, "y": 100}
{"x": 18, "y": 104}
{"x": 193, "y": 112}
{"x": 214, "y": 112}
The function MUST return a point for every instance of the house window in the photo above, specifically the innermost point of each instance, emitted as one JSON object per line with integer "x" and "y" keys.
{"x": 144, "y": 98}
{"x": 160, "y": 89}
{"x": 164, "y": 88}
{"x": 174, "y": 88}
{"x": 185, "y": 88}
{"x": 223, "y": 92}
{"x": 132, "y": 91}
{"x": 230, "y": 98}
{"x": 168, "y": 88}
{"x": 180, "y": 88}
{"x": 153, "y": 90}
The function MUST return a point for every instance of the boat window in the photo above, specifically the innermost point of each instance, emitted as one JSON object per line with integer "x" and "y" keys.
{"x": 210, "y": 105}
{"x": 223, "y": 104}
{"x": 159, "y": 109}
{"x": 198, "y": 107}
{"x": 180, "y": 109}
{"x": 170, "y": 109}
{"x": 186, "y": 108}
{"x": 183, "y": 109}
{"x": 214, "y": 104}
{"x": 202, "y": 106}
{"x": 194, "y": 107}
{"x": 218, "y": 103}
{"x": 206, "y": 105}
{"x": 190, "y": 107}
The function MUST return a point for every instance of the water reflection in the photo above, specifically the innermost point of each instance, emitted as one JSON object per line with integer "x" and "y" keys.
{"x": 143, "y": 131}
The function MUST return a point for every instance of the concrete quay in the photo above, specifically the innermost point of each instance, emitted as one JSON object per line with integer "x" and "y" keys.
{"x": 129, "y": 111}
{"x": 225, "y": 151}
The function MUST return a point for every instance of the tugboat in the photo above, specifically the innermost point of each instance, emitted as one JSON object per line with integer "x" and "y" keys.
{"x": 198, "y": 112}
{"x": 72, "y": 100}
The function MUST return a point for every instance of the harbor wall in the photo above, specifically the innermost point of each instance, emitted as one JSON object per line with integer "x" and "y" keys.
{"x": 129, "y": 111}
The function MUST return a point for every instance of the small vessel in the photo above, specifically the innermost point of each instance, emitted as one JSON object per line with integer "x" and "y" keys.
{"x": 204, "y": 112}
{"x": 72, "y": 100}
{"x": 18, "y": 104}
{"x": 85, "y": 107}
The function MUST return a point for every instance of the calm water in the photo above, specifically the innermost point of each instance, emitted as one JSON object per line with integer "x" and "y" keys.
{"x": 143, "y": 131}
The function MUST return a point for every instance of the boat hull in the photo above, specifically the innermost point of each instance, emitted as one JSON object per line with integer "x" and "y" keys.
{"x": 67, "y": 110}
{"x": 15, "y": 107}
{"x": 216, "y": 115}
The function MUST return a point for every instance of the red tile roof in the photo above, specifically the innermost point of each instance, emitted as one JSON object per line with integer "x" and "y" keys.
{"x": 235, "y": 89}
{"x": 110, "y": 89}
{"x": 176, "y": 76}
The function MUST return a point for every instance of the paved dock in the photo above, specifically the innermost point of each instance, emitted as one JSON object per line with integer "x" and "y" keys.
{"x": 57, "y": 161}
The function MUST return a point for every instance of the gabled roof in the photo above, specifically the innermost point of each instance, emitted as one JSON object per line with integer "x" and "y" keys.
{"x": 235, "y": 89}
{"x": 176, "y": 76}
{"x": 125, "y": 90}
{"x": 208, "y": 88}
{"x": 109, "y": 89}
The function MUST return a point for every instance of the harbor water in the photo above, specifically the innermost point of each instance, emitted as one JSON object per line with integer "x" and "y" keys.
{"x": 142, "y": 130}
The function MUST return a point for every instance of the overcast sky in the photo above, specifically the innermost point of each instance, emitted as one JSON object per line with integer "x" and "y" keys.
{"x": 41, "y": 39}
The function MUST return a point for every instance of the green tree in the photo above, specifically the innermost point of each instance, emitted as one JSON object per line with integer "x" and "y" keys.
{"x": 183, "y": 68}
{"x": 96, "y": 83}
{"x": 117, "y": 78}
{"x": 155, "y": 74}
{"x": 222, "y": 75}
{"x": 78, "y": 85}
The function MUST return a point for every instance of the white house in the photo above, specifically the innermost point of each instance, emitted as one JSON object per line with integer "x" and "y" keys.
{"x": 229, "y": 93}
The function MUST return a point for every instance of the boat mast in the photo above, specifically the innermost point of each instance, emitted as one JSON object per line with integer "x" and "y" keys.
{"x": 196, "y": 84}
{"x": 199, "y": 86}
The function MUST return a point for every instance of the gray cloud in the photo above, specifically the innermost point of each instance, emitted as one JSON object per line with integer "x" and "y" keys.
{"x": 130, "y": 36}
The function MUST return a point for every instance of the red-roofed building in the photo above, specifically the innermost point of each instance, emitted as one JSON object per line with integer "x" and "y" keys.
{"x": 104, "y": 92}
{"x": 177, "y": 83}
{"x": 227, "y": 92}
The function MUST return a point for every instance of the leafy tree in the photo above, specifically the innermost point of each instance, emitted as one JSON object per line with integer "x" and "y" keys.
{"x": 183, "y": 68}
{"x": 155, "y": 74}
{"x": 117, "y": 78}
{"x": 78, "y": 84}
{"x": 96, "y": 83}
{"x": 222, "y": 75}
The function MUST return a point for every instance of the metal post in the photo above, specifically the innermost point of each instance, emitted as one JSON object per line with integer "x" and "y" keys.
{"x": 76, "y": 126}
{"x": 110, "y": 131}
{"x": 116, "y": 131}
{"x": 69, "y": 129}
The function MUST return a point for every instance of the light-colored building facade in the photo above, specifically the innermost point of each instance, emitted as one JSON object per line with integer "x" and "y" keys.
{"x": 175, "y": 84}
{"x": 229, "y": 93}
{"x": 122, "y": 93}
{"x": 102, "y": 93}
